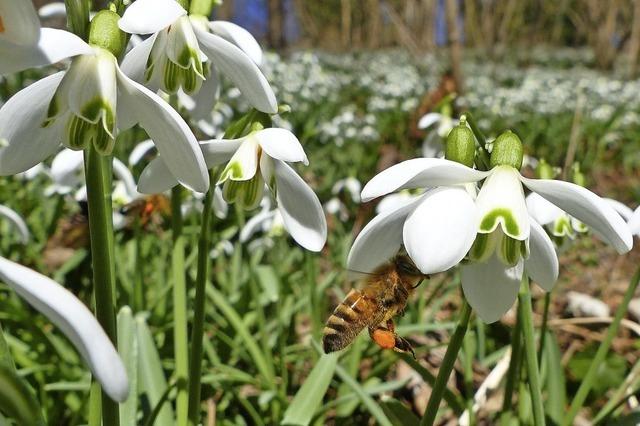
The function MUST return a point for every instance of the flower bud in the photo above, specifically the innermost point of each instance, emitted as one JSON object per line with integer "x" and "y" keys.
{"x": 461, "y": 145}
{"x": 544, "y": 170}
{"x": 507, "y": 151}
{"x": 577, "y": 176}
{"x": 105, "y": 33}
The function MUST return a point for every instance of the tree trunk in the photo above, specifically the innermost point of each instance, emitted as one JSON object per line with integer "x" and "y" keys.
{"x": 276, "y": 24}
{"x": 374, "y": 24}
{"x": 455, "y": 46}
{"x": 634, "y": 43}
{"x": 345, "y": 21}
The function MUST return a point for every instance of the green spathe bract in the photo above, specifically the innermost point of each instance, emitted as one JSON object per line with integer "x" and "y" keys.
{"x": 105, "y": 33}
{"x": 461, "y": 145}
{"x": 507, "y": 151}
{"x": 544, "y": 170}
{"x": 200, "y": 7}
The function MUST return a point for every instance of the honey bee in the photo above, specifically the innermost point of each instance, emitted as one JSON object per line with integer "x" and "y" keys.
{"x": 149, "y": 209}
{"x": 383, "y": 296}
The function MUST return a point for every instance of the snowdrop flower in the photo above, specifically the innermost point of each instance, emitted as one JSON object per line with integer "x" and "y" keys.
{"x": 140, "y": 151}
{"x": 253, "y": 160}
{"x": 634, "y": 222}
{"x": 432, "y": 147}
{"x": 446, "y": 224}
{"x": 351, "y": 185}
{"x": 395, "y": 201}
{"x": 76, "y": 322}
{"x": 268, "y": 221}
{"x": 337, "y": 208}
{"x": 55, "y": 9}
{"x": 17, "y": 222}
{"x": 24, "y": 44}
{"x": 183, "y": 51}
{"x": 89, "y": 104}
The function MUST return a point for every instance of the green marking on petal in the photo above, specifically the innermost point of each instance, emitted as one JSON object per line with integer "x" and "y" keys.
{"x": 491, "y": 220}
{"x": 562, "y": 227}
{"x": 247, "y": 194}
{"x": 510, "y": 250}
{"x": 483, "y": 247}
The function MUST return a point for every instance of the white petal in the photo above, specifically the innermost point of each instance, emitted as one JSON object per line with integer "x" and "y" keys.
{"x": 395, "y": 201}
{"x": 243, "y": 165}
{"x": 300, "y": 208}
{"x": 419, "y": 173}
{"x": 542, "y": 263}
{"x": 282, "y": 145}
{"x": 379, "y": 240}
{"x": 75, "y": 321}
{"x": 240, "y": 37}
{"x": 66, "y": 167}
{"x": 53, "y": 10}
{"x": 150, "y": 16}
{"x": 634, "y": 222}
{"x": 491, "y": 288}
{"x": 219, "y": 151}
{"x": 501, "y": 203}
{"x": 541, "y": 210}
{"x": 19, "y": 21}
{"x": 588, "y": 208}
{"x": 256, "y": 224}
{"x": 17, "y": 221}
{"x": 123, "y": 174}
{"x": 156, "y": 178}
{"x": 240, "y": 69}
{"x": 140, "y": 151}
{"x": 622, "y": 209}
{"x": 429, "y": 120}
{"x": 440, "y": 231}
{"x": 21, "y": 121}
{"x": 53, "y": 46}
{"x": 170, "y": 133}
{"x": 135, "y": 61}
{"x": 219, "y": 205}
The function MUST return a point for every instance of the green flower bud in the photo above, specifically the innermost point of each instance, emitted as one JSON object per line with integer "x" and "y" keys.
{"x": 507, "y": 151}
{"x": 577, "y": 176}
{"x": 544, "y": 170}
{"x": 105, "y": 33}
{"x": 461, "y": 145}
{"x": 201, "y": 7}
{"x": 184, "y": 4}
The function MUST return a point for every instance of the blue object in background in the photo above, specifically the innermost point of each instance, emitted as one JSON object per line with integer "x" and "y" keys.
{"x": 254, "y": 16}
{"x": 440, "y": 28}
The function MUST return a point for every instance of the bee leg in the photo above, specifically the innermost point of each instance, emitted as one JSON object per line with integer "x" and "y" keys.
{"x": 402, "y": 345}
{"x": 383, "y": 337}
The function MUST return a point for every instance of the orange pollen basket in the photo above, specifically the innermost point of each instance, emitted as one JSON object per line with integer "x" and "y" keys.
{"x": 1, "y": 25}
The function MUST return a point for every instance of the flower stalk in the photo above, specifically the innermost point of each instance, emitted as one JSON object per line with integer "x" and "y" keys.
{"x": 526, "y": 317}
{"x": 98, "y": 172}
{"x": 197, "y": 331}
{"x": 447, "y": 366}
{"x": 180, "y": 327}
{"x": 603, "y": 349}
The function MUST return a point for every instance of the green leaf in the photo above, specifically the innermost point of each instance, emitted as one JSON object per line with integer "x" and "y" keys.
{"x": 369, "y": 402}
{"x": 269, "y": 282}
{"x": 128, "y": 348}
{"x": 555, "y": 383}
{"x": 152, "y": 381}
{"x": 610, "y": 373}
{"x": 17, "y": 399}
{"x": 310, "y": 395}
{"x": 398, "y": 413}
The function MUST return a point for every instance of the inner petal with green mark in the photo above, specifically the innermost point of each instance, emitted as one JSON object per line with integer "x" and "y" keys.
{"x": 243, "y": 166}
{"x": 501, "y": 203}
{"x": 562, "y": 227}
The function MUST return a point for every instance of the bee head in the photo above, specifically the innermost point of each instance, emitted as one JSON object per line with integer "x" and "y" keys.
{"x": 406, "y": 266}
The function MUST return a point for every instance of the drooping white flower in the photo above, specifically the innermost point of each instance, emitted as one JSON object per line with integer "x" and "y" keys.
{"x": 90, "y": 103}
{"x": 186, "y": 52}
{"x": 17, "y": 222}
{"x": 24, "y": 44}
{"x": 253, "y": 160}
{"x": 76, "y": 322}
{"x": 443, "y": 226}
{"x": 634, "y": 222}
{"x": 433, "y": 145}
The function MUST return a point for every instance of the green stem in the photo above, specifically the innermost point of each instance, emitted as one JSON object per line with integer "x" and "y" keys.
{"x": 482, "y": 140}
{"x": 138, "y": 291}
{"x": 601, "y": 354}
{"x": 95, "y": 410}
{"x": 514, "y": 365}
{"x": 98, "y": 172}
{"x": 180, "y": 341}
{"x": 197, "y": 332}
{"x": 5, "y": 355}
{"x": 533, "y": 375}
{"x": 467, "y": 362}
{"x": 543, "y": 326}
{"x": 447, "y": 366}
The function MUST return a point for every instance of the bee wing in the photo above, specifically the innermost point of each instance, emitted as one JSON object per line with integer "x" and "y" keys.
{"x": 358, "y": 275}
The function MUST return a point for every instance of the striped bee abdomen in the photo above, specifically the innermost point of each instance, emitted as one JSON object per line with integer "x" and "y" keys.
{"x": 347, "y": 321}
